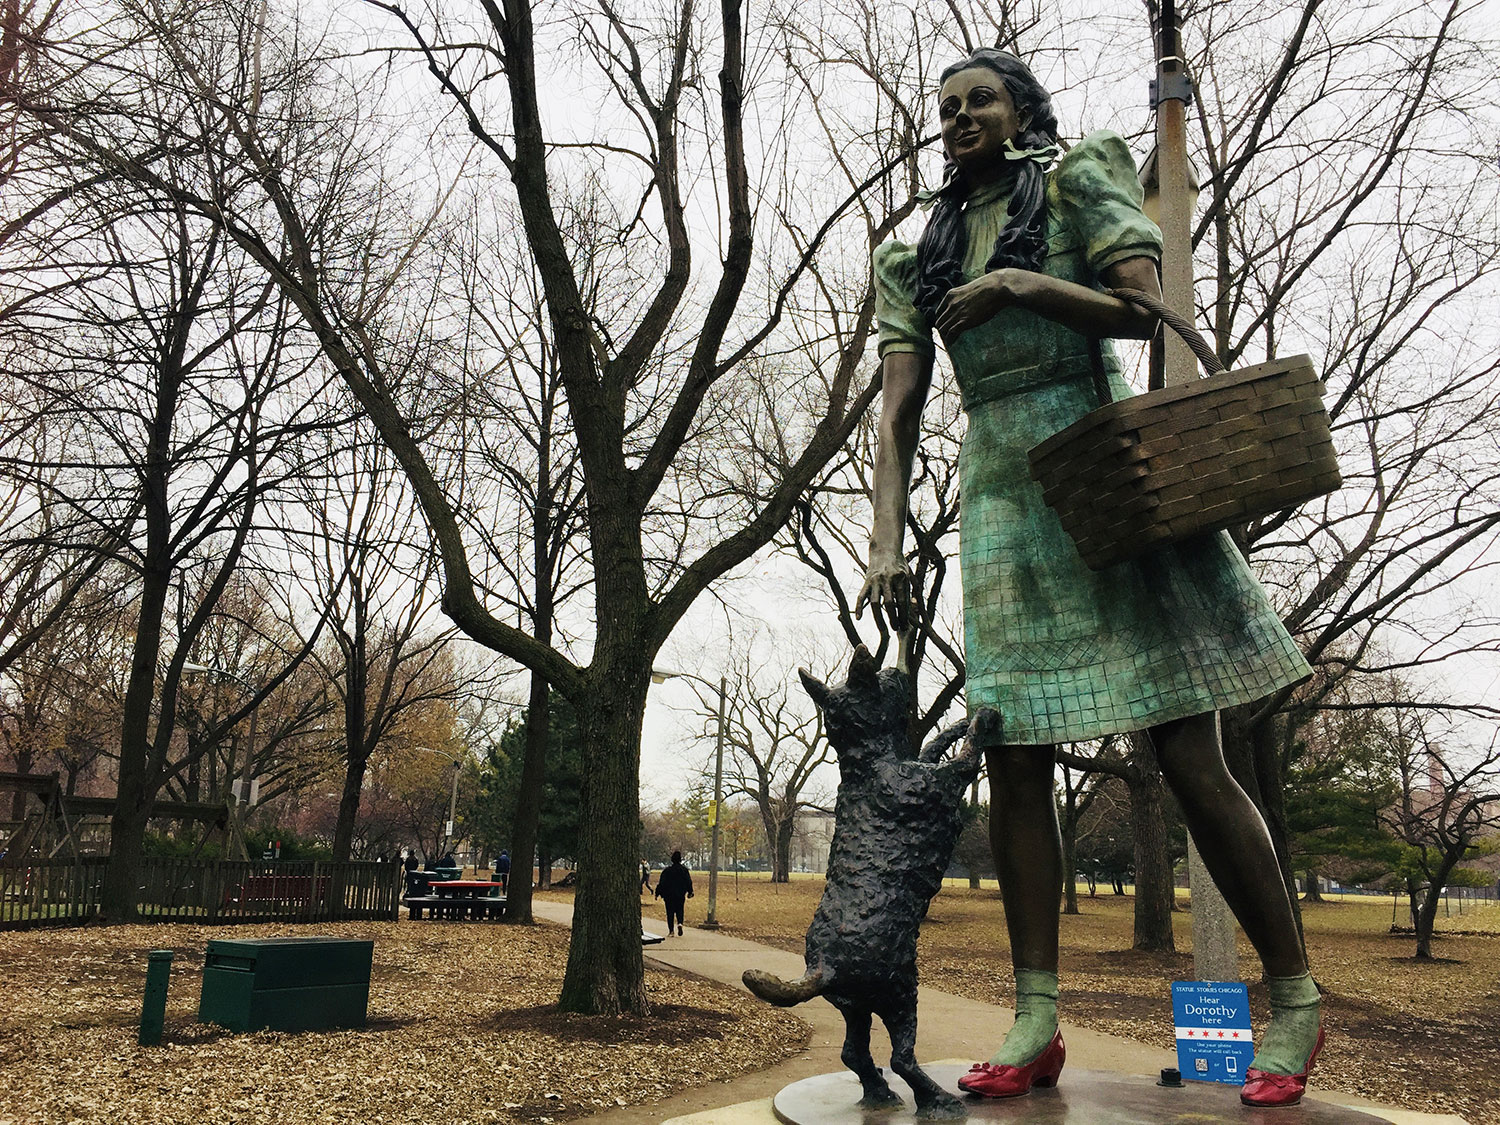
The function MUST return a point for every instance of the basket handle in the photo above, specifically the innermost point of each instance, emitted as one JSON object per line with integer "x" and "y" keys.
{"x": 1180, "y": 324}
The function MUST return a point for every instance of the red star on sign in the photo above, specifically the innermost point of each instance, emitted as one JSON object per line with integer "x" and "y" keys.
{"x": 1190, "y": 1035}
{"x": 1236, "y": 1034}
{"x": 1221, "y": 1035}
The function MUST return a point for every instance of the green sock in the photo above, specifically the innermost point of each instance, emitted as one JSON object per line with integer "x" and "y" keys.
{"x": 1289, "y": 1041}
{"x": 1036, "y": 1018}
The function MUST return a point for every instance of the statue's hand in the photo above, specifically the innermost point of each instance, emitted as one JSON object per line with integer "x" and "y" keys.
{"x": 888, "y": 590}
{"x": 970, "y": 305}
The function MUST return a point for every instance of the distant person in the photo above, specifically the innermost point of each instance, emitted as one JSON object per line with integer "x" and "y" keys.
{"x": 411, "y": 861}
{"x": 502, "y": 872}
{"x": 645, "y": 877}
{"x": 673, "y": 886}
{"x": 448, "y": 860}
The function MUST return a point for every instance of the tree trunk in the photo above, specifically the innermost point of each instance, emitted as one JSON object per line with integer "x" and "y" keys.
{"x": 1070, "y": 873}
{"x": 18, "y": 799}
{"x": 357, "y": 744}
{"x": 605, "y": 974}
{"x": 1154, "y": 889}
{"x": 1069, "y": 826}
{"x": 1423, "y": 918}
{"x": 127, "y": 830}
{"x": 532, "y": 784}
{"x": 781, "y": 863}
{"x": 1426, "y": 916}
{"x": 528, "y": 799}
{"x": 1313, "y": 893}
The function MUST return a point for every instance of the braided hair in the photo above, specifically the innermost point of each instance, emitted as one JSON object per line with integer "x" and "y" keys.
{"x": 1023, "y": 241}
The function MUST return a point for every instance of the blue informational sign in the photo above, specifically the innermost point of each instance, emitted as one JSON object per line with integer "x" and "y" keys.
{"x": 1214, "y": 1043}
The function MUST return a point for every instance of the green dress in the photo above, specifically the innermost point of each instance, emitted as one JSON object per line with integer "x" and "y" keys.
{"x": 1063, "y": 652}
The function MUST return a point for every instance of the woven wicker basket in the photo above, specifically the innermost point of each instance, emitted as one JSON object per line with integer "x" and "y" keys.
{"x": 1188, "y": 459}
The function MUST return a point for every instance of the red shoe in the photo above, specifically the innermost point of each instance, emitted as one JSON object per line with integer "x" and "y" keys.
{"x": 992, "y": 1081}
{"x": 1262, "y": 1088}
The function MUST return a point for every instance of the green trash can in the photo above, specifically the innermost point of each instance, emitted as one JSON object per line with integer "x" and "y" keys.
{"x": 286, "y": 984}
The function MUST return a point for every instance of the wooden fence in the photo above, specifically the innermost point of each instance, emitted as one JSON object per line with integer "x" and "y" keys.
{"x": 65, "y": 892}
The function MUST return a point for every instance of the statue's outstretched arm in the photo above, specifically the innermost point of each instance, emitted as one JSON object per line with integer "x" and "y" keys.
{"x": 906, "y": 378}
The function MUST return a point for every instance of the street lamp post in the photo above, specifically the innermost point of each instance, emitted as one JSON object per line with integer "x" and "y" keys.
{"x": 658, "y": 676}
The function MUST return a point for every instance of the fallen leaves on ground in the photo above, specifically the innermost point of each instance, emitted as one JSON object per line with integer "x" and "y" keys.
{"x": 463, "y": 1028}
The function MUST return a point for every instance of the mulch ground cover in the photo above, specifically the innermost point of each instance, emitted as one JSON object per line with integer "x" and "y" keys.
{"x": 1419, "y": 1035}
{"x": 463, "y": 1029}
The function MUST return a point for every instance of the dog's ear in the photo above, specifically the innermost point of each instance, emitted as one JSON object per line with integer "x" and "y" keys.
{"x": 815, "y": 688}
{"x": 863, "y": 671}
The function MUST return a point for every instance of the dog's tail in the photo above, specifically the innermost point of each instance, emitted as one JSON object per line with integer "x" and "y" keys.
{"x": 785, "y": 993}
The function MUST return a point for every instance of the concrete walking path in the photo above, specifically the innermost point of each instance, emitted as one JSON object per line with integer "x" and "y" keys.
{"x": 949, "y": 1027}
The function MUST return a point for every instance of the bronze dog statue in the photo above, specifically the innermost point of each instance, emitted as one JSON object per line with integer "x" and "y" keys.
{"x": 897, "y": 820}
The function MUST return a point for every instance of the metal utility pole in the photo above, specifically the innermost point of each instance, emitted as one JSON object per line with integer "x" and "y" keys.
{"x": 1171, "y": 93}
{"x": 662, "y": 675}
{"x": 712, "y": 921}
{"x": 453, "y": 804}
{"x": 1214, "y": 956}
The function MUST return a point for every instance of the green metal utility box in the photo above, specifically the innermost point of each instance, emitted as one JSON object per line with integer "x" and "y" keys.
{"x": 286, "y": 984}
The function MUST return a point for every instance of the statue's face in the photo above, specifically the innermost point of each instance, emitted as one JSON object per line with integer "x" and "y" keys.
{"x": 976, "y": 116}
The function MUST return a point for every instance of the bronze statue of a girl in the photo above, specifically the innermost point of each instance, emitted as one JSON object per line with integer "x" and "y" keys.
{"x": 1009, "y": 273}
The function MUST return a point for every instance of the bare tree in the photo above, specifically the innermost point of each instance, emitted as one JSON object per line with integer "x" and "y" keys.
{"x": 652, "y": 365}
{"x": 152, "y": 358}
{"x": 828, "y": 537}
{"x": 385, "y": 643}
{"x": 1341, "y": 199}
{"x": 1448, "y": 801}
{"x": 774, "y": 747}
{"x": 522, "y": 447}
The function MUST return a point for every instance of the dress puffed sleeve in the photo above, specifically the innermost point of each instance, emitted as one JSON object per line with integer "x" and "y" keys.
{"x": 1097, "y": 192}
{"x": 901, "y": 327}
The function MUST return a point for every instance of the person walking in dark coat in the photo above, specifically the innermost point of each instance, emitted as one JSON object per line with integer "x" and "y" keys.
{"x": 502, "y": 872}
{"x": 673, "y": 886}
{"x": 645, "y": 877}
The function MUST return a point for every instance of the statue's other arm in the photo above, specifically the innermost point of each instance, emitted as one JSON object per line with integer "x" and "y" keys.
{"x": 906, "y": 378}
{"x": 1086, "y": 311}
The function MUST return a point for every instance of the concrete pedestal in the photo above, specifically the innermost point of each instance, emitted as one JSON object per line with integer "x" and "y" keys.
{"x": 1084, "y": 1097}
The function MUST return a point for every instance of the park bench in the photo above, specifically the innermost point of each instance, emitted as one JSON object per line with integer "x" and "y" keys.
{"x": 295, "y": 890}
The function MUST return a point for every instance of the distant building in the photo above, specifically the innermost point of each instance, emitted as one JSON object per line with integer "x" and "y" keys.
{"x": 812, "y": 838}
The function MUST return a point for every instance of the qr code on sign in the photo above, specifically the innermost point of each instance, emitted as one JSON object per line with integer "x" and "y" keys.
{"x": 1200, "y": 1065}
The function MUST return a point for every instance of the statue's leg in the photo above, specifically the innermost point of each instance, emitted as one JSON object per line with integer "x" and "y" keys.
{"x": 900, "y": 1019}
{"x": 1232, "y": 838}
{"x": 856, "y": 1056}
{"x": 1028, "y": 858}
{"x": 1236, "y": 847}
